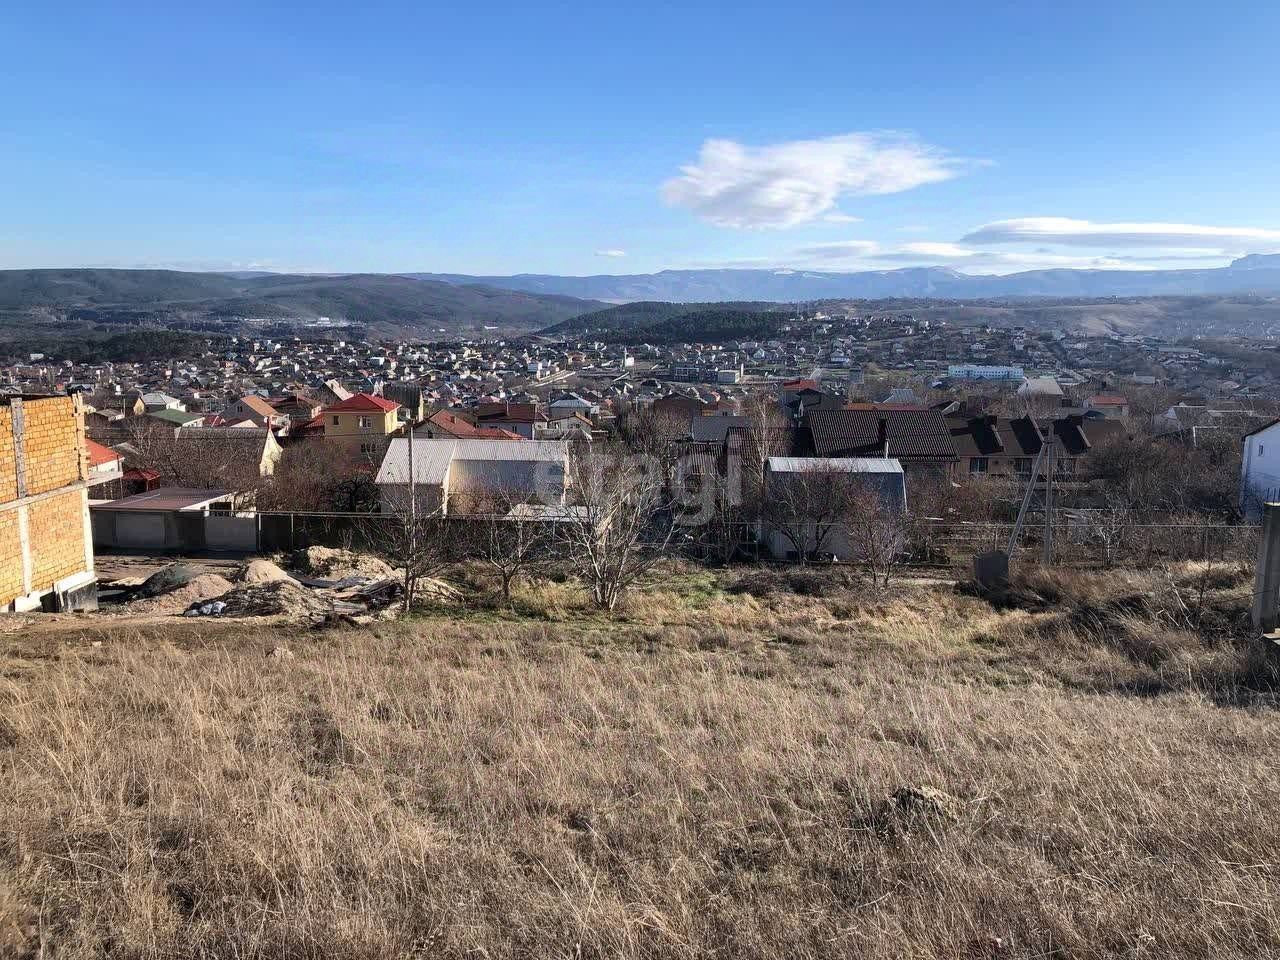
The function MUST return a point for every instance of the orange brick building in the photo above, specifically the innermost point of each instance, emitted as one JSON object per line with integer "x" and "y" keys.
{"x": 46, "y": 548}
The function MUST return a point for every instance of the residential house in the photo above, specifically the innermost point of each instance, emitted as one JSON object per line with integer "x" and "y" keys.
{"x": 172, "y": 417}
{"x": 571, "y": 403}
{"x": 254, "y": 409}
{"x": 918, "y": 438}
{"x": 446, "y": 425}
{"x": 1260, "y": 469}
{"x": 519, "y": 418}
{"x": 244, "y": 450}
{"x": 297, "y": 407}
{"x": 106, "y": 466}
{"x": 445, "y": 475}
{"x": 1007, "y": 447}
{"x": 1110, "y": 404}
{"x": 362, "y": 423}
{"x": 152, "y": 402}
{"x": 565, "y": 426}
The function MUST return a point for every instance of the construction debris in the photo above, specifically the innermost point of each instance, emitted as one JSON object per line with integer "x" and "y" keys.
{"x": 275, "y": 598}
{"x": 330, "y": 563}
{"x": 261, "y": 570}
{"x": 166, "y": 579}
{"x": 194, "y": 592}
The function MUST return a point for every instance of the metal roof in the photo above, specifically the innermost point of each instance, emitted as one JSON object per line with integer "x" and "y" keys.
{"x": 911, "y": 434}
{"x": 432, "y": 458}
{"x": 842, "y": 464}
{"x": 714, "y": 429}
{"x": 166, "y": 499}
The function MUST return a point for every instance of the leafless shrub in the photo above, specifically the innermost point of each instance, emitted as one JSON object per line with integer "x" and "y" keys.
{"x": 618, "y": 522}
{"x": 507, "y": 533}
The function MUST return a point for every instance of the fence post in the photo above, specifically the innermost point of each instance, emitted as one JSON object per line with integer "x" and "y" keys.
{"x": 1266, "y": 586}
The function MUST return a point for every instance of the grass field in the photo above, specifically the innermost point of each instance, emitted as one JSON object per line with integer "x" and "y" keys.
{"x": 736, "y": 765}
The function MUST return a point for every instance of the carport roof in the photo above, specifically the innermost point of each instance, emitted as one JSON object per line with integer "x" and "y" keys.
{"x": 166, "y": 499}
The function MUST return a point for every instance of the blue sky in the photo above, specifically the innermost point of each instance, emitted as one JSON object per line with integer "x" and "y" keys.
{"x": 508, "y": 138}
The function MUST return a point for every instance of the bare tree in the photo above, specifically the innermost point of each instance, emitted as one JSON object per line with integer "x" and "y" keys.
{"x": 507, "y": 533}
{"x": 618, "y": 521}
{"x": 767, "y": 434}
{"x": 879, "y": 531}
{"x": 1110, "y": 524}
{"x": 185, "y": 458}
{"x": 804, "y": 506}
{"x": 417, "y": 542}
{"x": 317, "y": 475}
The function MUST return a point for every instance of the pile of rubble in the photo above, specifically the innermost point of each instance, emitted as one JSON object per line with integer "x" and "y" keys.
{"x": 330, "y": 563}
{"x": 269, "y": 598}
{"x": 325, "y": 584}
{"x": 175, "y": 587}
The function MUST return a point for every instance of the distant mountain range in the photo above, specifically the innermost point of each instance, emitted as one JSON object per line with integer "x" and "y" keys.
{"x": 384, "y": 303}
{"x": 1257, "y": 273}
{"x": 62, "y": 302}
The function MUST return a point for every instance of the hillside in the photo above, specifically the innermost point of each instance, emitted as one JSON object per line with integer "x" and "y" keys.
{"x": 663, "y": 322}
{"x": 1254, "y": 274}
{"x": 747, "y": 765}
{"x": 32, "y": 299}
{"x": 657, "y": 322}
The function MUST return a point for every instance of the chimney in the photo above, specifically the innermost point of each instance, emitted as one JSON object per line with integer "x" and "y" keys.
{"x": 882, "y": 436}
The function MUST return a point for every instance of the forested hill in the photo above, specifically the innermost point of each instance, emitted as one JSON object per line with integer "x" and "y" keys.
{"x": 31, "y": 300}
{"x": 659, "y": 322}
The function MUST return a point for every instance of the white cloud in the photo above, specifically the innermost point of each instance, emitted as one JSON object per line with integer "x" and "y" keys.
{"x": 871, "y": 255}
{"x": 786, "y": 184}
{"x": 840, "y": 250}
{"x": 838, "y": 217}
{"x": 612, "y": 252}
{"x": 1085, "y": 233}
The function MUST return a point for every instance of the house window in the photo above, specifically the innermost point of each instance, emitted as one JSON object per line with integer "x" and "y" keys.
{"x": 368, "y": 449}
{"x": 1261, "y": 448}
{"x": 1023, "y": 466}
{"x": 364, "y": 423}
{"x": 978, "y": 464}
{"x": 336, "y": 420}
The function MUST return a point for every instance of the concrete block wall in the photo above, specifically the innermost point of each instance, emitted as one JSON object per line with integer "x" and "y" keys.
{"x": 56, "y": 530}
{"x": 52, "y": 443}
{"x": 43, "y": 499}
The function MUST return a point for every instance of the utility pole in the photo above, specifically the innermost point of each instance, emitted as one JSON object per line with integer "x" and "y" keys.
{"x": 1047, "y": 559}
{"x": 413, "y": 492}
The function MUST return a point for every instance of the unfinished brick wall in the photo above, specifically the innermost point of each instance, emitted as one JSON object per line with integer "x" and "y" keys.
{"x": 8, "y": 463}
{"x": 56, "y": 529}
{"x": 51, "y": 442}
{"x": 53, "y": 460}
{"x": 11, "y": 579}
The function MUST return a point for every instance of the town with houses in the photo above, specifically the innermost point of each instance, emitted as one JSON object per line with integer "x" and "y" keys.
{"x": 274, "y": 425}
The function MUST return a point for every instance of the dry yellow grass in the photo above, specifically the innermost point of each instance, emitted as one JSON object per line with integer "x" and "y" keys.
{"x": 704, "y": 775}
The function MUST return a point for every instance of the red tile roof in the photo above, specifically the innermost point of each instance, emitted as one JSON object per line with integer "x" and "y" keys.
{"x": 800, "y": 385}
{"x": 100, "y": 455}
{"x": 465, "y": 429}
{"x": 362, "y": 402}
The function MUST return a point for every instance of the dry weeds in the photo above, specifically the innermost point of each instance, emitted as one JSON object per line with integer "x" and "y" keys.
{"x": 750, "y": 774}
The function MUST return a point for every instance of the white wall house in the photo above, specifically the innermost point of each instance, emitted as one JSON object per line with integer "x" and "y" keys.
{"x": 1260, "y": 469}
{"x": 445, "y": 472}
